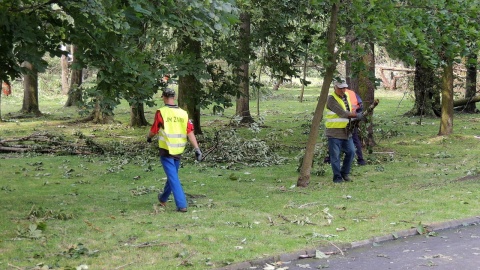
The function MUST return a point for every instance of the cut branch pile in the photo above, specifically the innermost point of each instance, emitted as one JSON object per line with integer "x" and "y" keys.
{"x": 49, "y": 143}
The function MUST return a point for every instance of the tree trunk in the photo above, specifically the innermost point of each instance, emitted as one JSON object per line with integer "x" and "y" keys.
{"x": 30, "y": 90}
{"x": 98, "y": 116}
{"x": 75, "y": 91}
{"x": 362, "y": 82}
{"x": 277, "y": 84}
{"x": 446, "y": 124}
{"x": 427, "y": 98}
{"x": 366, "y": 89}
{"x": 471, "y": 83}
{"x": 304, "y": 73}
{"x": 350, "y": 75}
{"x": 243, "y": 99}
{"x": 1, "y": 82}
{"x": 137, "y": 116}
{"x": 304, "y": 178}
{"x": 64, "y": 65}
{"x": 188, "y": 85}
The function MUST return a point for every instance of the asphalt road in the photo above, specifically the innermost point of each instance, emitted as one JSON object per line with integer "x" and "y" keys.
{"x": 452, "y": 245}
{"x": 451, "y": 249}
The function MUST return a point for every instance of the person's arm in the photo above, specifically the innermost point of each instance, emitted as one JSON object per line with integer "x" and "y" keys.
{"x": 333, "y": 106}
{"x": 360, "y": 104}
{"x": 193, "y": 140}
{"x": 157, "y": 124}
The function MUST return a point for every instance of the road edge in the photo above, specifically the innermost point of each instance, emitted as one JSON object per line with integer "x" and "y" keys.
{"x": 309, "y": 253}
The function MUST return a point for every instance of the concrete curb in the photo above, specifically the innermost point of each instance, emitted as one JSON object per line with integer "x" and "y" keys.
{"x": 260, "y": 263}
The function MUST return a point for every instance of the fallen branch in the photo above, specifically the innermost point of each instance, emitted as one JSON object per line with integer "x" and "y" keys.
{"x": 122, "y": 266}
{"x": 16, "y": 267}
{"x": 48, "y": 143}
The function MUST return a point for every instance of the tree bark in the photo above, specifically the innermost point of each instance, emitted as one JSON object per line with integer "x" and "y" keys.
{"x": 75, "y": 91}
{"x": 277, "y": 84}
{"x": 98, "y": 116}
{"x": 446, "y": 123}
{"x": 471, "y": 83}
{"x": 243, "y": 99}
{"x": 362, "y": 82}
{"x": 188, "y": 85}
{"x": 64, "y": 65}
{"x": 30, "y": 90}
{"x": 466, "y": 101}
{"x": 1, "y": 120}
{"x": 304, "y": 73}
{"x": 304, "y": 178}
{"x": 137, "y": 116}
{"x": 427, "y": 97}
{"x": 366, "y": 88}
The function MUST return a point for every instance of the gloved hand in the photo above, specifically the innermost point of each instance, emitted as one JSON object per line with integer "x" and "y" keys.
{"x": 149, "y": 140}
{"x": 359, "y": 116}
{"x": 198, "y": 154}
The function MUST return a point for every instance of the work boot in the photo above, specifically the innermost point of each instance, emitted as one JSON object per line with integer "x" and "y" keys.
{"x": 361, "y": 162}
{"x": 338, "y": 180}
{"x": 346, "y": 178}
{"x": 163, "y": 204}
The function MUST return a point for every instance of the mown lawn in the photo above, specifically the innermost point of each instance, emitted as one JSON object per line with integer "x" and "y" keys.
{"x": 100, "y": 211}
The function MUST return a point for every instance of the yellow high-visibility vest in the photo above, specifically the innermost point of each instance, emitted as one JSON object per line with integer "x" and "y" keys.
{"x": 173, "y": 135}
{"x": 332, "y": 120}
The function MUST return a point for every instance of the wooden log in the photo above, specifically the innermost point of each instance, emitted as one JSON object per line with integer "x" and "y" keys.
{"x": 465, "y": 101}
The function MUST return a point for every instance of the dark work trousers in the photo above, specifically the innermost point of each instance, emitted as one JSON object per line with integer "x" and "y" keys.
{"x": 358, "y": 146}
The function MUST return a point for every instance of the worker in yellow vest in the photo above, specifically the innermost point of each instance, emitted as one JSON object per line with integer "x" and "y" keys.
{"x": 357, "y": 105}
{"x": 174, "y": 128}
{"x": 339, "y": 112}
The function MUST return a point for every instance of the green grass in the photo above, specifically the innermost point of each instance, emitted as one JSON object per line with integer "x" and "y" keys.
{"x": 102, "y": 211}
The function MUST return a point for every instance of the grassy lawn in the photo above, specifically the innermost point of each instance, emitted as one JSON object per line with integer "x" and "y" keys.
{"x": 101, "y": 211}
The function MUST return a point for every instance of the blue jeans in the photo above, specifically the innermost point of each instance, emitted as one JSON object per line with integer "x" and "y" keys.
{"x": 358, "y": 146}
{"x": 173, "y": 185}
{"x": 335, "y": 148}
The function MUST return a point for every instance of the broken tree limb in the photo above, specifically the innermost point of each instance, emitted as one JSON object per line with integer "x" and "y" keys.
{"x": 465, "y": 101}
{"x": 48, "y": 143}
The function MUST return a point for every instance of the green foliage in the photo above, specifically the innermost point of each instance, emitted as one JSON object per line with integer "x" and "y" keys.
{"x": 113, "y": 199}
{"x": 32, "y": 232}
{"x": 28, "y": 30}
{"x": 319, "y": 168}
{"x": 45, "y": 214}
{"x": 434, "y": 32}
{"x": 227, "y": 146}
{"x": 77, "y": 251}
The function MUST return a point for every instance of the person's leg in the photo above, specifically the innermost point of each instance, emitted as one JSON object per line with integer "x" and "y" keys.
{"x": 171, "y": 167}
{"x": 334, "y": 147}
{"x": 163, "y": 197}
{"x": 358, "y": 147}
{"x": 349, "y": 149}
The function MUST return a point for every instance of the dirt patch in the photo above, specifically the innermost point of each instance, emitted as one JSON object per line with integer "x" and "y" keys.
{"x": 469, "y": 178}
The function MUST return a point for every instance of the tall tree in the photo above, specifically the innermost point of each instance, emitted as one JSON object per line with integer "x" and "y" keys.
{"x": 65, "y": 73}
{"x": 28, "y": 30}
{"x": 243, "y": 107}
{"x": 30, "y": 90}
{"x": 330, "y": 63}
{"x": 437, "y": 33}
{"x": 189, "y": 84}
{"x": 471, "y": 81}
{"x": 446, "y": 123}
{"x": 425, "y": 87}
{"x": 74, "y": 88}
